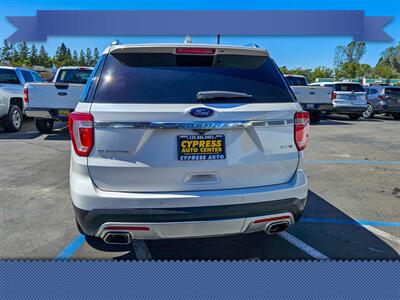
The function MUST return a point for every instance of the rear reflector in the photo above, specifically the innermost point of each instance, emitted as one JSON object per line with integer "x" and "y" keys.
{"x": 26, "y": 95}
{"x": 133, "y": 228}
{"x": 270, "y": 219}
{"x": 81, "y": 130}
{"x": 189, "y": 50}
{"x": 301, "y": 129}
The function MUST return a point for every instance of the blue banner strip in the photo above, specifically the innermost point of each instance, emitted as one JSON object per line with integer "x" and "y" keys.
{"x": 199, "y": 22}
{"x": 200, "y": 280}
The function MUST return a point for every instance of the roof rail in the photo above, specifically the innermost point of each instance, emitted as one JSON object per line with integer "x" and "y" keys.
{"x": 116, "y": 42}
{"x": 252, "y": 45}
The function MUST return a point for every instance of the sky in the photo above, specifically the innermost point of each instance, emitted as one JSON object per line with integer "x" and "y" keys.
{"x": 306, "y": 52}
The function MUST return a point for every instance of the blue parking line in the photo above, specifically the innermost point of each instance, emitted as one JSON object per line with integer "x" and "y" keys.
{"x": 71, "y": 248}
{"x": 352, "y": 162}
{"x": 349, "y": 222}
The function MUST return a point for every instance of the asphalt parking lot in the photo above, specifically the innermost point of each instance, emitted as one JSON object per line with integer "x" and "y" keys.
{"x": 353, "y": 211}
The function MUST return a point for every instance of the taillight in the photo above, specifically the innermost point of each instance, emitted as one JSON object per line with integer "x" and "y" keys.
{"x": 333, "y": 96}
{"x": 381, "y": 97}
{"x": 26, "y": 95}
{"x": 190, "y": 50}
{"x": 301, "y": 129}
{"x": 81, "y": 130}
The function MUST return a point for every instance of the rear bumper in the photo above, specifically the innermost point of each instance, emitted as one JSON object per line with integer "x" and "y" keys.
{"x": 44, "y": 113}
{"x": 182, "y": 214}
{"x": 188, "y": 222}
{"x": 348, "y": 109}
{"x": 393, "y": 109}
{"x": 316, "y": 107}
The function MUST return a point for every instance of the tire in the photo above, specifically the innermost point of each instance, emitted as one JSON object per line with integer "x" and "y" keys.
{"x": 44, "y": 125}
{"x": 369, "y": 113}
{"x": 354, "y": 117}
{"x": 13, "y": 120}
{"x": 396, "y": 116}
{"x": 315, "y": 117}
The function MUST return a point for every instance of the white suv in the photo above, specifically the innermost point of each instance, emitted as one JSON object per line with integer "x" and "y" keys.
{"x": 185, "y": 140}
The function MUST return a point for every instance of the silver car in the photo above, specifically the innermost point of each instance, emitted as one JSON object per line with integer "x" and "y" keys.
{"x": 383, "y": 99}
{"x": 348, "y": 98}
{"x": 183, "y": 140}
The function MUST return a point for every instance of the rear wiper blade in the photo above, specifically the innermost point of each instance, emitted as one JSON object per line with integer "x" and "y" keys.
{"x": 220, "y": 95}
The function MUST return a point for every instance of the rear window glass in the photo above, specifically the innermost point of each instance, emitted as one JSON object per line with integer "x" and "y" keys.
{"x": 8, "y": 76}
{"x": 170, "y": 78}
{"x": 348, "y": 87}
{"x": 296, "y": 81}
{"x": 392, "y": 91}
{"x": 74, "y": 76}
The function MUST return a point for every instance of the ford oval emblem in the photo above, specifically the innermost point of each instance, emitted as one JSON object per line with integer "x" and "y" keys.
{"x": 201, "y": 112}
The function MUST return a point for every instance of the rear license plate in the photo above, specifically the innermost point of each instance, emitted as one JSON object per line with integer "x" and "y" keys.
{"x": 352, "y": 97}
{"x": 201, "y": 147}
{"x": 324, "y": 107}
{"x": 63, "y": 112}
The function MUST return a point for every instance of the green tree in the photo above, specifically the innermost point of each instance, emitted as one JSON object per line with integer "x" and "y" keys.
{"x": 43, "y": 58}
{"x": 81, "y": 60}
{"x": 384, "y": 71}
{"x": 352, "y": 52}
{"x": 5, "y": 54}
{"x": 75, "y": 58}
{"x": 88, "y": 57}
{"x": 321, "y": 72}
{"x": 96, "y": 56}
{"x": 23, "y": 52}
{"x": 34, "y": 56}
{"x": 391, "y": 58}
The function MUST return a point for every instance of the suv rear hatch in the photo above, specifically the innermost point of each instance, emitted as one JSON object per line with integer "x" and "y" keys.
{"x": 192, "y": 118}
{"x": 392, "y": 98}
{"x": 351, "y": 94}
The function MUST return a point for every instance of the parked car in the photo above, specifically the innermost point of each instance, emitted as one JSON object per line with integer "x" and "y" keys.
{"x": 376, "y": 102}
{"x": 348, "y": 98}
{"x": 12, "y": 108}
{"x": 314, "y": 99}
{"x": 388, "y": 99}
{"x": 185, "y": 140}
{"x": 53, "y": 101}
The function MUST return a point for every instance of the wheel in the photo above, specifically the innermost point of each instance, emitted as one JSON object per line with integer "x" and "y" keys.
{"x": 396, "y": 116}
{"x": 369, "y": 113}
{"x": 354, "y": 117}
{"x": 13, "y": 121}
{"x": 315, "y": 116}
{"x": 44, "y": 125}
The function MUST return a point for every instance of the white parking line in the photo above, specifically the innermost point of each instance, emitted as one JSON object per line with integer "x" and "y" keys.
{"x": 141, "y": 250}
{"x": 383, "y": 234}
{"x": 303, "y": 246}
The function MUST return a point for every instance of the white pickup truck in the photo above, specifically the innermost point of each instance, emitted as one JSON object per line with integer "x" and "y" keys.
{"x": 12, "y": 108}
{"x": 51, "y": 101}
{"x": 314, "y": 99}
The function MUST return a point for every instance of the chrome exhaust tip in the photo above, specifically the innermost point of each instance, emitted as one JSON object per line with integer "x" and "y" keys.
{"x": 277, "y": 227}
{"x": 117, "y": 238}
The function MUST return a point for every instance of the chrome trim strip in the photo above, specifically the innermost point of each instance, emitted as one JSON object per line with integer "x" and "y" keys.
{"x": 193, "y": 125}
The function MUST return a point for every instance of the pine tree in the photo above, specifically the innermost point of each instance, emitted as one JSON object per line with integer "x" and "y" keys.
{"x": 5, "y": 54}
{"x": 61, "y": 55}
{"x": 81, "y": 60}
{"x": 34, "y": 55}
{"x": 15, "y": 59}
{"x": 23, "y": 53}
{"x": 88, "y": 57}
{"x": 96, "y": 56}
{"x": 43, "y": 58}
{"x": 75, "y": 59}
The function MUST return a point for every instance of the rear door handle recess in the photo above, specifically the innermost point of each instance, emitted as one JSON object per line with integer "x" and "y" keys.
{"x": 62, "y": 94}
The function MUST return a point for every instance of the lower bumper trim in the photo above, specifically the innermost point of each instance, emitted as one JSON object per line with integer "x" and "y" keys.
{"x": 91, "y": 221}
